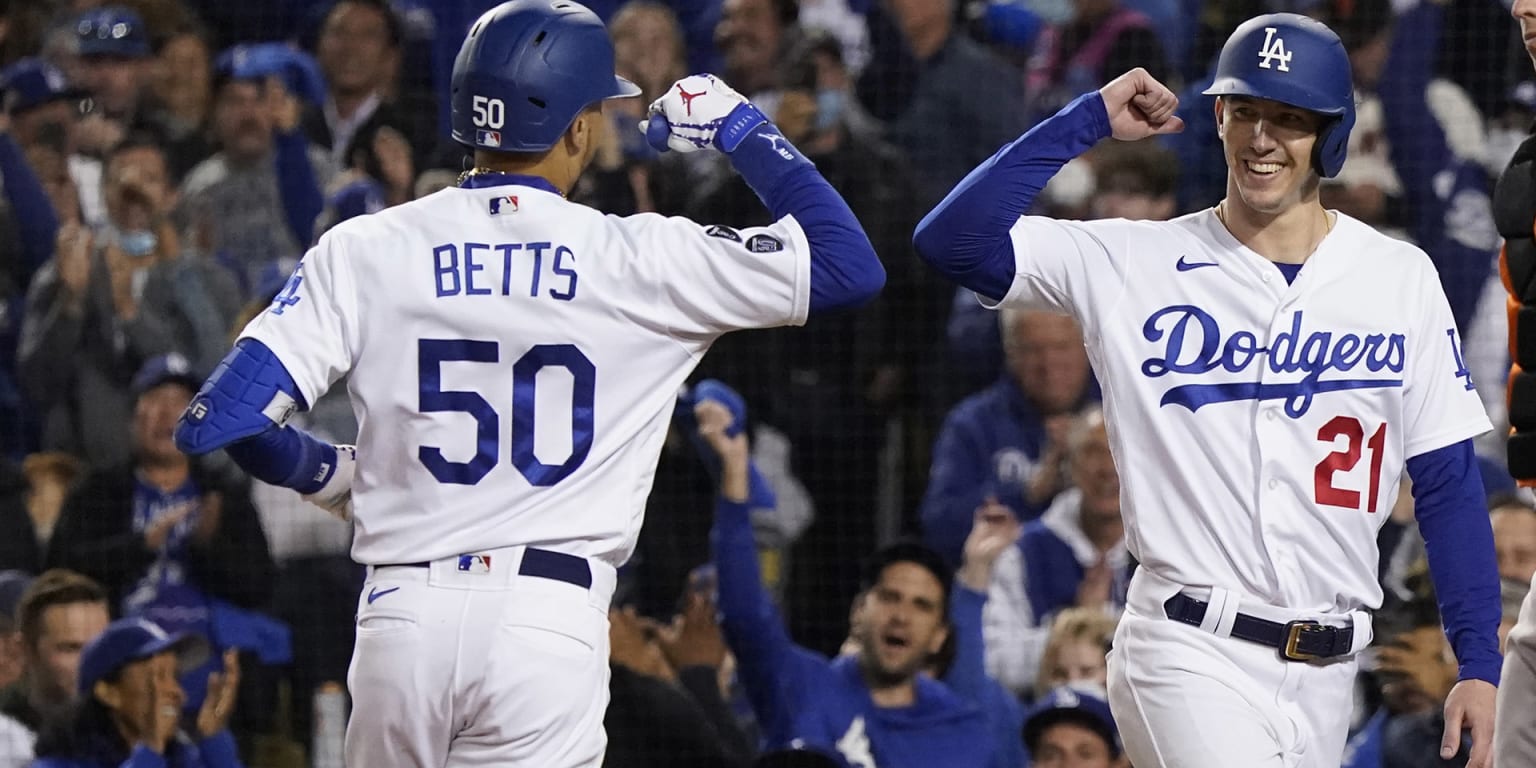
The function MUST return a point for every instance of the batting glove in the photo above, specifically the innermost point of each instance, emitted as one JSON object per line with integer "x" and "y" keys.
{"x": 335, "y": 496}
{"x": 700, "y": 112}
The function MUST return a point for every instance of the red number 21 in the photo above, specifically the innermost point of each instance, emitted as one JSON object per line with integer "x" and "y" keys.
{"x": 1345, "y": 460}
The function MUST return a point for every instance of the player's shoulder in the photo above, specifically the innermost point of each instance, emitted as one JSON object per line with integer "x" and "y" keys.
{"x": 390, "y": 224}
{"x": 1373, "y": 250}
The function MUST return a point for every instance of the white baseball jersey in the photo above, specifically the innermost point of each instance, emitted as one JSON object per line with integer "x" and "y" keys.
{"x": 515, "y": 359}
{"x": 1260, "y": 428}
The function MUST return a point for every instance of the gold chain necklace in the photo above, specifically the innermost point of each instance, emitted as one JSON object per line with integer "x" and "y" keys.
{"x": 481, "y": 170}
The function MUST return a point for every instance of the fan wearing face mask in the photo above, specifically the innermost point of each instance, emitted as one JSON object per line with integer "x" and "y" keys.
{"x": 111, "y": 297}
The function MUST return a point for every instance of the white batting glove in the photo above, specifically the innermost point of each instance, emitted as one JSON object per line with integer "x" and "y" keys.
{"x": 700, "y": 112}
{"x": 335, "y": 496}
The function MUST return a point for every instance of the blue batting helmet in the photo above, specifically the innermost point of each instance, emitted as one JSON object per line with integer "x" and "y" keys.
{"x": 1298, "y": 61}
{"x": 527, "y": 69}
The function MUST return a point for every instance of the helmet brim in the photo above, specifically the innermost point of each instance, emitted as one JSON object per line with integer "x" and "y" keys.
{"x": 1294, "y": 95}
{"x": 623, "y": 89}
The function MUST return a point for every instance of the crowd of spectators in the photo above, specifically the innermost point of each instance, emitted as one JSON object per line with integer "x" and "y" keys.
{"x": 915, "y": 556}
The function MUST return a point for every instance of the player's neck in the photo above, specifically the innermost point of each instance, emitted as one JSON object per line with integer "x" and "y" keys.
{"x": 1288, "y": 237}
{"x": 554, "y": 167}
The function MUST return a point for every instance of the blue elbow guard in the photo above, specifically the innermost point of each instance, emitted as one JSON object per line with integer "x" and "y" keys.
{"x": 249, "y": 393}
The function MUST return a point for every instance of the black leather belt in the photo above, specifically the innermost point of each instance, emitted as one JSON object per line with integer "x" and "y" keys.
{"x": 1296, "y": 640}
{"x": 543, "y": 563}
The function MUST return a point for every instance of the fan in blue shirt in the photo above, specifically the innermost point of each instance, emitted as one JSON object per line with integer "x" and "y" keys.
{"x": 872, "y": 709}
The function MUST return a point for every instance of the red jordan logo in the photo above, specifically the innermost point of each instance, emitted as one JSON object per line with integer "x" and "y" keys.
{"x": 688, "y": 98}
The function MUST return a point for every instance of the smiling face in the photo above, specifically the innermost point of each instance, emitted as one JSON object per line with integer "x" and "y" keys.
{"x": 1268, "y": 146}
{"x": 901, "y": 623}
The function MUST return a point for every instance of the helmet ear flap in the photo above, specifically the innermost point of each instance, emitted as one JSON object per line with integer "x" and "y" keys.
{"x": 1333, "y": 145}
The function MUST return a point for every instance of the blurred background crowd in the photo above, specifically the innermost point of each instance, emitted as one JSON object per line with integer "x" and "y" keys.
{"x": 165, "y": 163}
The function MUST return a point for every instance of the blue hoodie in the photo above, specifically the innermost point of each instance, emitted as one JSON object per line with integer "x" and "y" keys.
{"x": 802, "y": 698}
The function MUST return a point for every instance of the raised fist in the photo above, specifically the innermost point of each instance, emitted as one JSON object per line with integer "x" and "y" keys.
{"x": 700, "y": 112}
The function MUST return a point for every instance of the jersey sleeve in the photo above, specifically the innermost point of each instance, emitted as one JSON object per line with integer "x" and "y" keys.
{"x": 311, "y": 325}
{"x": 709, "y": 279}
{"x": 1440, "y": 403}
{"x": 1079, "y": 268}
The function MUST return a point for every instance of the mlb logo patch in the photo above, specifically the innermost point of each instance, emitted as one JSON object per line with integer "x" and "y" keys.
{"x": 488, "y": 138}
{"x": 503, "y": 204}
{"x": 475, "y": 563}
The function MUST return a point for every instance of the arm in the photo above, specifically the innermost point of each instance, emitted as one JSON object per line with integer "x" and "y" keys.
{"x": 243, "y": 408}
{"x": 1014, "y": 639}
{"x": 1448, "y": 202}
{"x": 1458, "y": 539}
{"x": 297, "y": 186}
{"x": 770, "y": 665}
{"x": 37, "y": 224}
{"x": 845, "y": 271}
{"x": 966, "y": 237}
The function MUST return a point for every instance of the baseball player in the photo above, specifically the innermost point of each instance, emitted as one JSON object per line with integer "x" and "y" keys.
{"x": 1515, "y": 206}
{"x": 514, "y": 359}
{"x": 1269, "y": 370}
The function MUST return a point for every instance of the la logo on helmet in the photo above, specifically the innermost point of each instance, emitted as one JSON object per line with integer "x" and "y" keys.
{"x": 1274, "y": 50}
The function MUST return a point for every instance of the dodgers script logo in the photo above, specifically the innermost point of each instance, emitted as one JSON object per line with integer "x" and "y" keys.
{"x": 1193, "y": 343}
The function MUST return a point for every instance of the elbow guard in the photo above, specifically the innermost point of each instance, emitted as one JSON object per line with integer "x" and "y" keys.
{"x": 249, "y": 393}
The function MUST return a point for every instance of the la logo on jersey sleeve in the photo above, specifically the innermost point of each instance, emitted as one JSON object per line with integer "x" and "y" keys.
{"x": 289, "y": 295}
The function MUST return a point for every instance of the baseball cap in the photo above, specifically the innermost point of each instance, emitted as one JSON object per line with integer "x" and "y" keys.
{"x": 1082, "y": 704}
{"x": 111, "y": 30}
{"x": 13, "y": 584}
{"x": 298, "y": 71}
{"x": 161, "y": 369}
{"x": 31, "y": 82}
{"x": 128, "y": 640}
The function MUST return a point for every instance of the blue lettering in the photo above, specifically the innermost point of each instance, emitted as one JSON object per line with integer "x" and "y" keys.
{"x": 1461, "y": 367}
{"x": 1344, "y": 355}
{"x": 1281, "y": 353}
{"x": 451, "y": 269}
{"x": 538, "y": 265}
{"x": 569, "y": 273}
{"x": 1292, "y": 350}
{"x": 471, "y": 267}
{"x": 1239, "y": 351}
{"x": 506, "y": 250}
{"x": 1210, "y": 338}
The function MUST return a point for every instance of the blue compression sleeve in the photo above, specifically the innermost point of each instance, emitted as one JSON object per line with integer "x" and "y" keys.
{"x": 289, "y": 457}
{"x": 845, "y": 270}
{"x": 966, "y": 237}
{"x": 1453, "y": 518}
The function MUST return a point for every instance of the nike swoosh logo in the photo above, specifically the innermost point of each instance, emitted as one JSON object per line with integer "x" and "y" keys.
{"x": 1185, "y": 265}
{"x": 377, "y": 593}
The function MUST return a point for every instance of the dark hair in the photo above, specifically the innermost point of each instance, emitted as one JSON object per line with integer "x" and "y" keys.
{"x": 55, "y": 587}
{"x": 908, "y": 552}
{"x": 787, "y": 12}
{"x": 392, "y": 25}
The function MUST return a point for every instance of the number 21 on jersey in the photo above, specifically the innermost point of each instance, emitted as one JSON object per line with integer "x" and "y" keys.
{"x": 1344, "y": 460}
{"x": 432, "y": 398}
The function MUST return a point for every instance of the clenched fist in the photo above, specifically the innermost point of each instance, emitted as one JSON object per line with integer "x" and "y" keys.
{"x": 700, "y": 112}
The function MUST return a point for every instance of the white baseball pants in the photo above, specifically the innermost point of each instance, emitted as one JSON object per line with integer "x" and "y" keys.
{"x": 471, "y": 661}
{"x": 1186, "y": 697}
